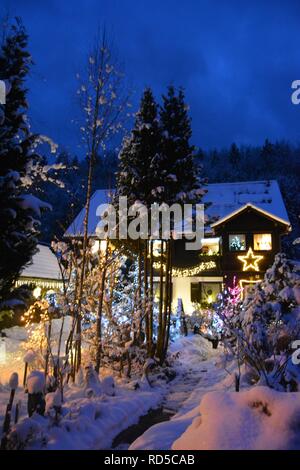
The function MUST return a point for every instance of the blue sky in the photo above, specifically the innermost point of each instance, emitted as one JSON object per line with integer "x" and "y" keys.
{"x": 235, "y": 59}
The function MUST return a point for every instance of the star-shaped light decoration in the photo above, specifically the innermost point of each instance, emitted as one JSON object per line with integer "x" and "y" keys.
{"x": 250, "y": 261}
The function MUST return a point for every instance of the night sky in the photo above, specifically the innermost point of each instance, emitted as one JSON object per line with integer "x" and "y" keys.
{"x": 235, "y": 59}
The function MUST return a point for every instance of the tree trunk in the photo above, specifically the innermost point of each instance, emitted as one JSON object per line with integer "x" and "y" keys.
{"x": 146, "y": 306}
{"x": 139, "y": 294}
{"x": 161, "y": 298}
{"x": 151, "y": 299}
{"x": 103, "y": 270}
{"x": 166, "y": 302}
{"x": 83, "y": 263}
{"x": 169, "y": 303}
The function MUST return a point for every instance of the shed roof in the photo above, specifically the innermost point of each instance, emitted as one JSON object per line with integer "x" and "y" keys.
{"x": 44, "y": 266}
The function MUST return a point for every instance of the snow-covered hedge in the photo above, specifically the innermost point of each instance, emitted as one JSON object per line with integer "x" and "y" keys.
{"x": 263, "y": 332}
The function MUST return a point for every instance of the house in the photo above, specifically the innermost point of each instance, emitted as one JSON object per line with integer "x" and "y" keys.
{"x": 43, "y": 273}
{"x": 248, "y": 221}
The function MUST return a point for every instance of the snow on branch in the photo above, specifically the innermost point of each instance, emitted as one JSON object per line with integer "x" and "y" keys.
{"x": 28, "y": 201}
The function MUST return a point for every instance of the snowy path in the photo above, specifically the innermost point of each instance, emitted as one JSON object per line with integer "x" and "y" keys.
{"x": 177, "y": 392}
{"x": 180, "y": 391}
{"x": 196, "y": 374}
{"x": 183, "y": 397}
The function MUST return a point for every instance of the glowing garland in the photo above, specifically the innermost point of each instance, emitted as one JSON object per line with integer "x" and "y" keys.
{"x": 188, "y": 272}
{"x": 248, "y": 281}
{"x": 41, "y": 283}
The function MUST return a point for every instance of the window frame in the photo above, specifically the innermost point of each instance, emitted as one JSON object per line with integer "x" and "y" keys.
{"x": 205, "y": 285}
{"x": 199, "y": 293}
{"x": 237, "y": 235}
{"x": 262, "y": 233}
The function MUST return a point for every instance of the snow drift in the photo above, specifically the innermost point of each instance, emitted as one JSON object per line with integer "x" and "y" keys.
{"x": 255, "y": 419}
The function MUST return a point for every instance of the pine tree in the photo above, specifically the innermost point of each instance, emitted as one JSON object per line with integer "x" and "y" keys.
{"x": 139, "y": 178}
{"x": 179, "y": 169}
{"x": 18, "y": 212}
{"x": 267, "y": 153}
{"x": 234, "y": 155}
{"x": 215, "y": 157}
{"x": 182, "y": 184}
{"x": 138, "y": 173}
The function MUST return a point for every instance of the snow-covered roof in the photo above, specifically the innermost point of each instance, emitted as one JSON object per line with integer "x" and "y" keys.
{"x": 242, "y": 208}
{"x": 101, "y": 196}
{"x": 224, "y": 199}
{"x": 44, "y": 265}
{"x": 227, "y": 198}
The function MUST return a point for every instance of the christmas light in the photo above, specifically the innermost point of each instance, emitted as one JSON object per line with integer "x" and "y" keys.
{"x": 235, "y": 292}
{"x": 248, "y": 281}
{"x": 37, "y": 292}
{"x": 250, "y": 261}
{"x": 45, "y": 284}
{"x": 189, "y": 272}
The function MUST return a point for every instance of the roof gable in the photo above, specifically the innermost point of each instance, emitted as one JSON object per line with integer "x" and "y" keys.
{"x": 255, "y": 208}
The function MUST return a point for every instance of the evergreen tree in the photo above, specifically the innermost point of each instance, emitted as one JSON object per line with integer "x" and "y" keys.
{"x": 139, "y": 179}
{"x": 178, "y": 168}
{"x": 215, "y": 157}
{"x": 138, "y": 175}
{"x": 18, "y": 212}
{"x": 267, "y": 153}
{"x": 182, "y": 184}
{"x": 270, "y": 320}
{"x": 234, "y": 155}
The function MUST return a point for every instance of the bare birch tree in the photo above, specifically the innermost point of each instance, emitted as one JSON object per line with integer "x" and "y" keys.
{"x": 103, "y": 103}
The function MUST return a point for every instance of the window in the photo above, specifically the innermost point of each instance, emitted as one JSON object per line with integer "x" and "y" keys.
{"x": 196, "y": 292}
{"x": 206, "y": 292}
{"x": 210, "y": 246}
{"x": 157, "y": 246}
{"x": 262, "y": 242}
{"x": 237, "y": 242}
{"x": 210, "y": 291}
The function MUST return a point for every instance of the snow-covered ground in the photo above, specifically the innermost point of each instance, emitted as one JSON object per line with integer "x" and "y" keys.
{"x": 206, "y": 412}
{"x": 86, "y": 423}
{"x": 93, "y": 422}
{"x": 215, "y": 417}
{"x": 256, "y": 419}
{"x": 199, "y": 374}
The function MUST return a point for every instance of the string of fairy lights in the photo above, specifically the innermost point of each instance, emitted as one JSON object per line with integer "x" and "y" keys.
{"x": 189, "y": 272}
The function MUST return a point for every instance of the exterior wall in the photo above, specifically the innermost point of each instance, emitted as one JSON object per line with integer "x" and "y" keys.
{"x": 226, "y": 264}
{"x": 182, "y": 290}
{"x": 248, "y": 222}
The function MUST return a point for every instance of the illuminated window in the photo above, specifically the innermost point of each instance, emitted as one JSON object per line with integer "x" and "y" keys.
{"x": 157, "y": 246}
{"x": 210, "y": 246}
{"x": 237, "y": 242}
{"x": 204, "y": 292}
{"x": 262, "y": 242}
{"x": 210, "y": 291}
